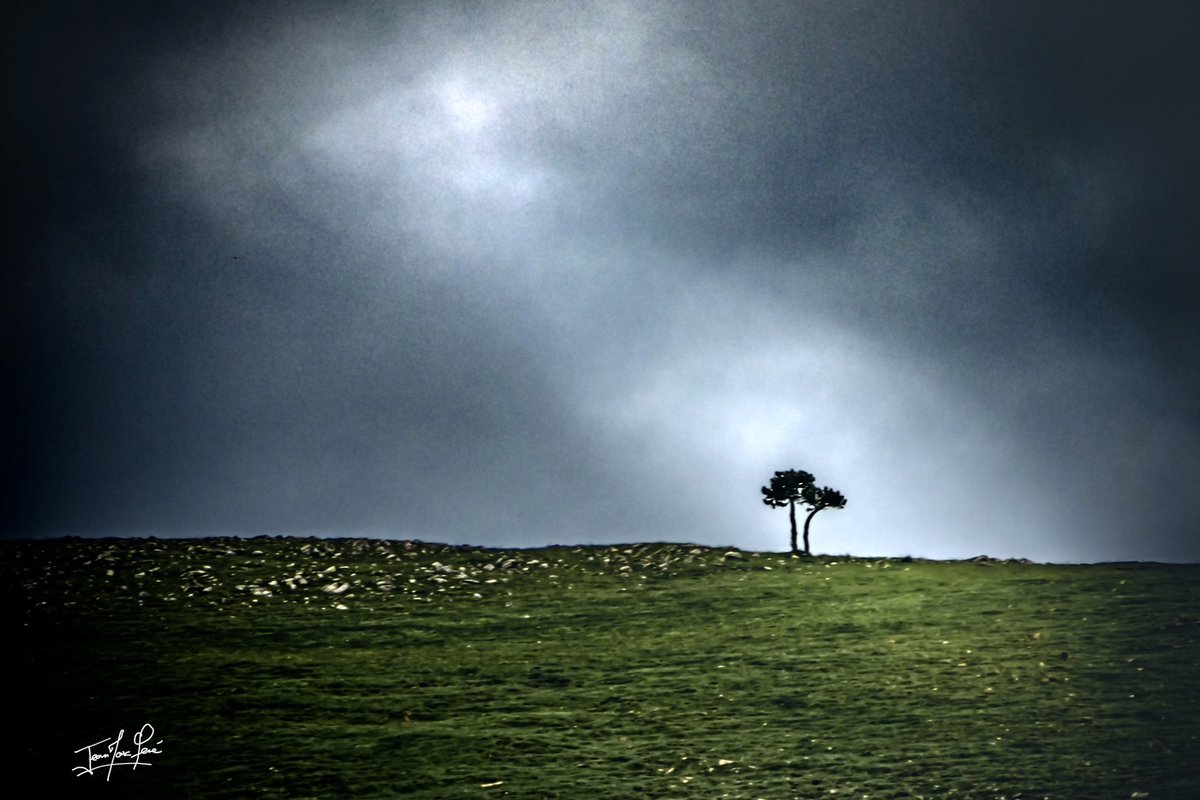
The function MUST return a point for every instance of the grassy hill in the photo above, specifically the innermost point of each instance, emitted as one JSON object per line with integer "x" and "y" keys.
{"x": 307, "y": 668}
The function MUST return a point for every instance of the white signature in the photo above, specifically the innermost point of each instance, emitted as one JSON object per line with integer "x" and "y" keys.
{"x": 107, "y": 753}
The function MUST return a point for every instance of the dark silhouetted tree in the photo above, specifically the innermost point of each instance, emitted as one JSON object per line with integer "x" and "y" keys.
{"x": 786, "y": 489}
{"x": 792, "y": 486}
{"x": 816, "y": 499}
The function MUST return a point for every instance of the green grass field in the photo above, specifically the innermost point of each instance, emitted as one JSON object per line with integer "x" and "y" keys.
{"x": 306, "y": 668}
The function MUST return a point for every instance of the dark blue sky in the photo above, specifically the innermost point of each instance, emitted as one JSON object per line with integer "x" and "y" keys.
{"x": 527, "y": 273}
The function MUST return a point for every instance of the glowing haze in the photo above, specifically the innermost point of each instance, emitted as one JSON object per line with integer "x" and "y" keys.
{"x": 523, "y": 273}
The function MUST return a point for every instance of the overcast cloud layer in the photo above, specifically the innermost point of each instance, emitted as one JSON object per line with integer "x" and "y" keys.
{"x": 514, "y": 274}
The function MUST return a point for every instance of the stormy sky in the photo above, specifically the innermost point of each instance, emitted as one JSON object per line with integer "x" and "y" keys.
{"x": 529, "y": 273}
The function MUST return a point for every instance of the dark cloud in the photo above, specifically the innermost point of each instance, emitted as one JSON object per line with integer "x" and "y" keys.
{"x": 527, "y": 273}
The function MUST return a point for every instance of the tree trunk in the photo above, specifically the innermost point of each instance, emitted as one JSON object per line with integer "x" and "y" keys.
{"x": 792, "y": 512}
{"x": 807, "y": 520}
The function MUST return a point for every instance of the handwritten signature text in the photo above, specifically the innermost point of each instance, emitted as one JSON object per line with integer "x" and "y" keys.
{"x": 104, "y": 755}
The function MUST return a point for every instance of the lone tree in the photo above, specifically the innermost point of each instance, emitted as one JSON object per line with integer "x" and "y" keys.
{"x": 789, "y": 487}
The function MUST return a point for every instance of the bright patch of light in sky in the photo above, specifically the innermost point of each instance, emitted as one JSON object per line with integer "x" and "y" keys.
{"x": 470, "y": 110}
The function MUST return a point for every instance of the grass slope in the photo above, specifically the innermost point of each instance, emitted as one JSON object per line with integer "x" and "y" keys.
{"x": 306, "y": 668}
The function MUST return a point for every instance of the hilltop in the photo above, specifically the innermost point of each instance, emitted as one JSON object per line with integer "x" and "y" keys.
{"x": 290, "y": 668}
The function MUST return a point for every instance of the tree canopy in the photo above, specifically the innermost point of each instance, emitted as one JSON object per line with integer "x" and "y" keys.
{"x": 795, "y": 486}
